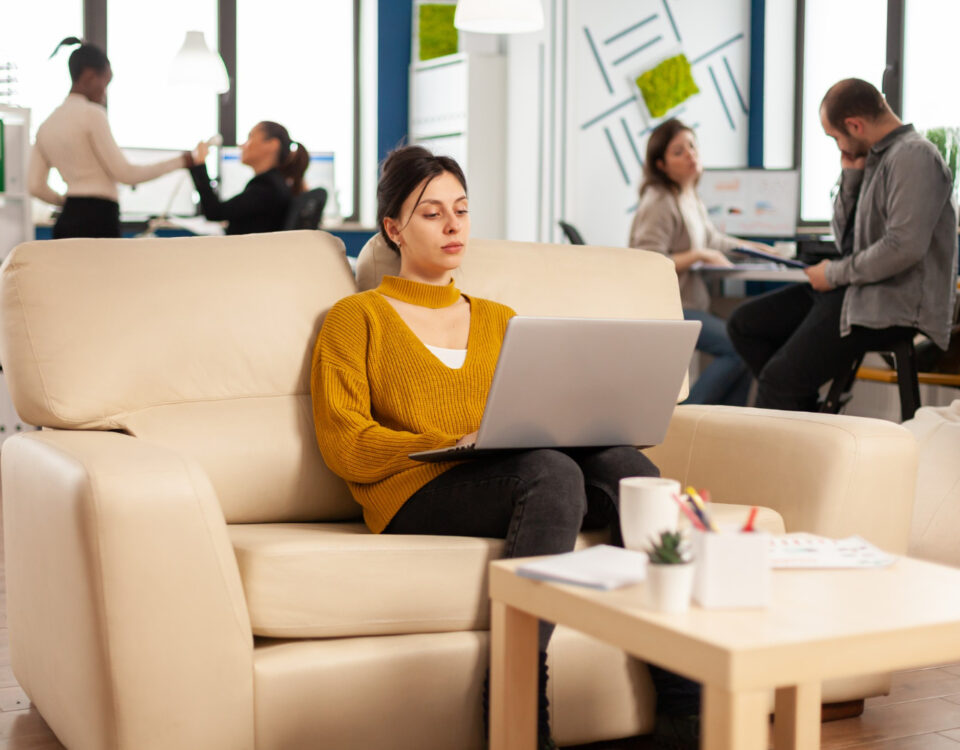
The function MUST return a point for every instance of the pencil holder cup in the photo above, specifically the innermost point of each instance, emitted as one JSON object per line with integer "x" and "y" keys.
{"x": 733, "y": 569}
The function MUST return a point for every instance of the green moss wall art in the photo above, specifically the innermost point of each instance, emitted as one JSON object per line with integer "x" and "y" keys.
{"x": 668, "y": 84}
{"x": 437, "y": 34}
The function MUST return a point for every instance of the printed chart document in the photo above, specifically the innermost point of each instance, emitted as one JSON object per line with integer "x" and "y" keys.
{"x": 811, "y": 551}
{"x": 601, "y": 567}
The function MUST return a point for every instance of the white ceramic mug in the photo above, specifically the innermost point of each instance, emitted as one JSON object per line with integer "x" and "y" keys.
{"x": 647, "y": 507}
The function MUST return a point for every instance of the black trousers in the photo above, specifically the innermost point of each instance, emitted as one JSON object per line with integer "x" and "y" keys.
{"x": 538, "y": 501}
{"x": 88, "y": 217}
{"x": 790, "y": 339}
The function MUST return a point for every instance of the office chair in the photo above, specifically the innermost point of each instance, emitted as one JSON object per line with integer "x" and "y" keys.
{"x": 572, "y": 234}
{"x": 306, "y": 210}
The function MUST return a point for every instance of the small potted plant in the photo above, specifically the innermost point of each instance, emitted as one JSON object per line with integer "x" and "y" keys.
{"x": 669, "y": 582}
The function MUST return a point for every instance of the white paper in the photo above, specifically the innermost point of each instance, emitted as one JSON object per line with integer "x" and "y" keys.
{"x": 601, "y": 567}
{"x": 811, "y": 551}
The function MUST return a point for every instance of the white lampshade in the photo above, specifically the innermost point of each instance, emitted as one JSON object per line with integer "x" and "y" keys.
{"x": 196, "y": 65}
{"x": 499, "y": 16}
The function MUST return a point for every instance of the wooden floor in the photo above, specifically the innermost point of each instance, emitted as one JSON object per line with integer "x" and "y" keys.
{"x": 921, "y": 713}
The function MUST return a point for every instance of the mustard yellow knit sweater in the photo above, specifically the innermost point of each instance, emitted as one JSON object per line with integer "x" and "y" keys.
{"x": 379, "y": 394}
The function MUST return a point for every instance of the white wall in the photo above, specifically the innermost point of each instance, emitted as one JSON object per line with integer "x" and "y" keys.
{"x": 575, "y": 127}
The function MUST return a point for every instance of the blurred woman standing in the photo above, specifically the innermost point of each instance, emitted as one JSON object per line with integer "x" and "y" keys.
{"x": 76, "y": 141}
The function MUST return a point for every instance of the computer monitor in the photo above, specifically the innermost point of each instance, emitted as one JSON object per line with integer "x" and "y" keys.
{"x": 234, "y": 175}
{"x": 752, "y": 202}
{"x": 169, "y": 195}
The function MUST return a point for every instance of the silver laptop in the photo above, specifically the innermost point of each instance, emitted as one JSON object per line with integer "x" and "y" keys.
{"x": 576, "y": 382}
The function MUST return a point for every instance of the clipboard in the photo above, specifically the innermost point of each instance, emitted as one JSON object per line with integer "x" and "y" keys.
{"x": 792, "y": 262}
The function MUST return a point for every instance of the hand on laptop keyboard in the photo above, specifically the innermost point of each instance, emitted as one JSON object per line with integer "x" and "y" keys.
{"x": 467, "y": 441}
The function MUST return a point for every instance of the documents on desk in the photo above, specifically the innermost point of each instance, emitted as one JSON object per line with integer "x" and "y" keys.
{"x": 801, "y": 550}
{"x": 600, "y": 567}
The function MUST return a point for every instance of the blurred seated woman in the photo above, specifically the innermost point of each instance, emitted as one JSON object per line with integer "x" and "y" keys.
{"x": 263, "y": 204}
{"x": 671, "y": 219}
{"x": 406, "y": 367}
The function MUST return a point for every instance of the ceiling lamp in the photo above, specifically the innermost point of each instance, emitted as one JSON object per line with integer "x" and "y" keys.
{"x": 499, "y": 16}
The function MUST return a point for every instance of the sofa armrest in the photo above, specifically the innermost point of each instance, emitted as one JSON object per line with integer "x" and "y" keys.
{"x": 826, "y": 474}
{"x": 128, "y": 625}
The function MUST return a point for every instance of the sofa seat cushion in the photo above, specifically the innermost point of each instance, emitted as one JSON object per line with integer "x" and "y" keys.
{"x": 306, "y": 580}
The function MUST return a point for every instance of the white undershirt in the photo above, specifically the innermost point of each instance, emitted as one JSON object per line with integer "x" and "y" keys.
{"x": 452, "y": 358}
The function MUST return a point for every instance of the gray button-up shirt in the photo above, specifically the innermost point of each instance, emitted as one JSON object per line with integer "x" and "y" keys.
{"x": 903, "y": 268}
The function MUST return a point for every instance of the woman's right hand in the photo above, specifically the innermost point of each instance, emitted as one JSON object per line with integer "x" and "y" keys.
{"x": 467, "y": 439}
{"x": 714, "y": 258}
{"x": 200, "y": 153}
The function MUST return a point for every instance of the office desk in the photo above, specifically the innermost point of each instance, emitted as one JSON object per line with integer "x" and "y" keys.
{"x": 753, "y": 272}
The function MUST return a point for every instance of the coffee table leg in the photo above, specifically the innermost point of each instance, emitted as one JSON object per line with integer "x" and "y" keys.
{"x": 734, "y": 720}
{"x": 796, "y": 720}
{"x": 513, "y": 678}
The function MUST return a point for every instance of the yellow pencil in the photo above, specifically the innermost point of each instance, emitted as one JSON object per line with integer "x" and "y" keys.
{"x": 702, "y": 507}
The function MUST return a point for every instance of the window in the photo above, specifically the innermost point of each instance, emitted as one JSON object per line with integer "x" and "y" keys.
{"x": 930, "y": 33}
{"x": 28, "y": 34}
{"x": 295, "y": 66}
{"x": 831, "y": 53}
{"x": 145, "y": 109}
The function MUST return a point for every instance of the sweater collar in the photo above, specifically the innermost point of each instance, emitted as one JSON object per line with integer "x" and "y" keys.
{"x": 419, "y": 293}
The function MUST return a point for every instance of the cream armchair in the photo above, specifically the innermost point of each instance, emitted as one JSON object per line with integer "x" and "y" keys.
{"x": 183, "y": 571}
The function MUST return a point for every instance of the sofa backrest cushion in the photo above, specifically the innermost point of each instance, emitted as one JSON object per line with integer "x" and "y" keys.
{"x": 200, "y": 343}
{"x": 561, "y": 280}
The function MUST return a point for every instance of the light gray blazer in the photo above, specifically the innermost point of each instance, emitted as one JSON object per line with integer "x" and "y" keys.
{"x": 659, "y": 225}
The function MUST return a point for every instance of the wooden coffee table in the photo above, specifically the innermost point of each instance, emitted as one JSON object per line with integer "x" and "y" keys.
{"x": 822, "y": 624}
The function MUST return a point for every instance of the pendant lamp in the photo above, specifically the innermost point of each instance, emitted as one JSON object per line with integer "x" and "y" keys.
{"x": 499, "y": 16}
{"x": 197, "y": 65}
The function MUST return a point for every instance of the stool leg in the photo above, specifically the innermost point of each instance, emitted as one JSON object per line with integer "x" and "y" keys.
{"x": 907, "y": 379}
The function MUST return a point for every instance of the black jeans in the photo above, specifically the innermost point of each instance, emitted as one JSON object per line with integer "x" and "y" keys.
{"x": 88, "y": 217}
{"x": 538, "y": 501}
{"x": 790, "y": 339}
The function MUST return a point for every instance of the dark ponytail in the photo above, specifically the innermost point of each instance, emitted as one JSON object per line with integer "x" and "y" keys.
{"x": 85, "y": 56}
{"x": 292, "y": 163}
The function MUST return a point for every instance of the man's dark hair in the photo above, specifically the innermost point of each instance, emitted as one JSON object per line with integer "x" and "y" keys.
{"x": 852, "y": 97}
{"x": 85, "y": 56}
{"x": 402, "y": 171}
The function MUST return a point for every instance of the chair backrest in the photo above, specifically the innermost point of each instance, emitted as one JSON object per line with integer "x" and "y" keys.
{"x": 306, "y": 210}
{"x": 571, "y": 233}
{"x": 203, "y": 344}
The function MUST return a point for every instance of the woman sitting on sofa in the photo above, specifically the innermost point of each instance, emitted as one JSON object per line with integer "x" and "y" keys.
{"x": 671, "y": 219}
{"x": 406, "y": 367}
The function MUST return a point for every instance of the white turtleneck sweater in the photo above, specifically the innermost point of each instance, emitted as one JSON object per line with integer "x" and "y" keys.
{"x": 76, "y": 140}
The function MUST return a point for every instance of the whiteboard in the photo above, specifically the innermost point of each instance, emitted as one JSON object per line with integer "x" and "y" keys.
{"x": 752, "y": 202}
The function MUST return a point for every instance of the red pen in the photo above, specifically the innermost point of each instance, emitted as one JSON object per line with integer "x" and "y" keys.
{"x": 697, "y": 523}
{"x": 748, "y": 526}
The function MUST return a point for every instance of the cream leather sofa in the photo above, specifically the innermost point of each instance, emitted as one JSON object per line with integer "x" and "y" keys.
{"x": 184, "y": 572}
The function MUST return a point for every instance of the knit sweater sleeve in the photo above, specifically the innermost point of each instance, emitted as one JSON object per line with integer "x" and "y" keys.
{"x": 354, "y": 445}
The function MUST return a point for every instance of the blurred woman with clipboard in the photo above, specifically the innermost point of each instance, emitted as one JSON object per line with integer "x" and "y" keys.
{"x": 671, "y": 219}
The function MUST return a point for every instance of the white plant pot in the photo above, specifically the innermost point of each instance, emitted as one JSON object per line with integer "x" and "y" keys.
{"x": 668, "y": 587}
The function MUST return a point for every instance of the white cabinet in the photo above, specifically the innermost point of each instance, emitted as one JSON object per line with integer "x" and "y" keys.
{"x": 16, "y": 210}
{"x": 16, "y": 224}
{"x": 458, "y": 109}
